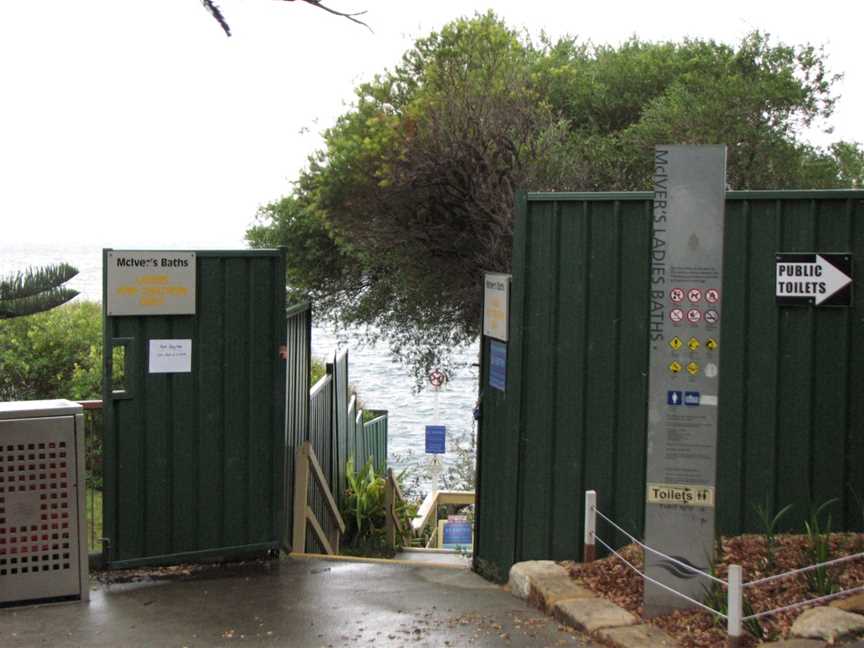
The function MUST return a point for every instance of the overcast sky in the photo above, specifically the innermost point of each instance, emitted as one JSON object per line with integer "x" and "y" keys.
{"x": 138, "y": 123}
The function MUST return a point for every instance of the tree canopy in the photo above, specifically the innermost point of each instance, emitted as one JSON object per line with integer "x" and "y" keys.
{"x": 411, "y": 197}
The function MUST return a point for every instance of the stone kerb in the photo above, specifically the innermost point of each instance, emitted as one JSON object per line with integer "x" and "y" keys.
{"x": 547, "y": 585}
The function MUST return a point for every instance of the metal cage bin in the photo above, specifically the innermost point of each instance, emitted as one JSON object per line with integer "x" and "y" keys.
{"x": 43, "y": 548}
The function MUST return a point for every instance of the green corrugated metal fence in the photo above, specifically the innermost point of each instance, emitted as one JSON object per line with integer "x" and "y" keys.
{"x": 193, "y": 461}
{"x": 574, "y": 413}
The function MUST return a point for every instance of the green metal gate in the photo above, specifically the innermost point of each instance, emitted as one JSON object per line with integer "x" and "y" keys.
{"x": 574, "y": 413}
{"x": 194, "y": 462}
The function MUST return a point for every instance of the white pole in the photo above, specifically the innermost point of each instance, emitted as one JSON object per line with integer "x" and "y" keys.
{"x": 589, "y": 550}
{"x": 734, "y": 605}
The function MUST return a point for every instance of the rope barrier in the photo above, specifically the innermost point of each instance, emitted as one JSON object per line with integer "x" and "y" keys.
{"x": 803, "y": 603}
{"x": 836, "y": 561}
{"x": 675, "y": 561}
{"x": 737, "y": 589}
{"x": 658, "y": 583}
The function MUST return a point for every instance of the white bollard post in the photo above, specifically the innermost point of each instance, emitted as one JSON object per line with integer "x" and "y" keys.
{"x": 589, "y": 549}
{"x": 734, "y": 606}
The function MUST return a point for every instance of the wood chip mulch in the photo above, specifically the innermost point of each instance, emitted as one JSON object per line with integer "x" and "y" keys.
{"x": 613, "y": 580}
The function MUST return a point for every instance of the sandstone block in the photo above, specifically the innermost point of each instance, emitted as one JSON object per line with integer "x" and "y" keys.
{"x": 521, "y": 575}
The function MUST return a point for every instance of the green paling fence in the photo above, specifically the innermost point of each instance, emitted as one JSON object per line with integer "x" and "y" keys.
{"x": 298, "y": 367}
{"x": 340, "y": 416}
{"x": 573, "y": 416}
{"x": 321, "y": 434}
{"x": 194, "y": 461}
{"x": 375, "y": 434}
{"x": 337, "y": 431}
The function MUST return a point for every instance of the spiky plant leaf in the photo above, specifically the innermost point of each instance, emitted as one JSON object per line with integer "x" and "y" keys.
{"x": 35, "y": 280}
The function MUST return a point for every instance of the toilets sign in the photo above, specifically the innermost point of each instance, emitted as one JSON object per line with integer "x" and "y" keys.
{"x": 814, "y": 279}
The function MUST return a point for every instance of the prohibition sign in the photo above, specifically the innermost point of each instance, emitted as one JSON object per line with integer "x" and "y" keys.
{"x": 694, "y": 295}
{"x": 712, "y": 295}
{"x": 677, "y": 295}
{"x": 676, "y": 314}
{"x": 693, "y": 316}
{"x": 712, "y": 316}
{"x": 437, "y": 378}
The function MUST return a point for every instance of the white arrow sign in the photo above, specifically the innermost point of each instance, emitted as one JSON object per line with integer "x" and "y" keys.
{"x": 817, "y": 280}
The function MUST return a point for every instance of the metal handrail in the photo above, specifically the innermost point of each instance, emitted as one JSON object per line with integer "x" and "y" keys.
{"x": 91, "y": 494}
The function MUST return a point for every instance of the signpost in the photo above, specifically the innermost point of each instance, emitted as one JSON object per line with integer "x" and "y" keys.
{"x": 149, "y": 283}
{"x": 814, "y": 279}
{"x": 456, "y": 533}
{"x": 496, "y": 305}
{"x": 685, "y": 320}
{"x": 435, "y": 439}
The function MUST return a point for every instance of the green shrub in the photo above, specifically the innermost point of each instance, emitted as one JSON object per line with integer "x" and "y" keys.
{"x": 317, "y": 370}
{"x": 363, "y": 511}
{"x": 54, "y": 354}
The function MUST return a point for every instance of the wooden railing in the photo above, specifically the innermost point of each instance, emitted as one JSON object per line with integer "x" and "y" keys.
{"x": 305, "y": 463}
{"x": 393, "y": 499}
{"x": 428, "y": 511}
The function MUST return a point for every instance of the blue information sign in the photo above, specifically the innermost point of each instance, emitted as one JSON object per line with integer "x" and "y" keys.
{"x": 457, "y": 533}
{"x": 435, "y": 435}
{"x": 497, "y": 365}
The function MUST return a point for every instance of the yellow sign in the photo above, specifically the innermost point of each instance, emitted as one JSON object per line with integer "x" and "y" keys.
{"x": 681, "y": 495}
{"x": 496, "y": 303}
{"x": 675, "y": 343}
{"x": 711, "y": 343}
{"x": 675, "y": 367}
{"x": 693, "y": 368}
{"x": 142, "y": 282}
{"x": 693, "y": 344}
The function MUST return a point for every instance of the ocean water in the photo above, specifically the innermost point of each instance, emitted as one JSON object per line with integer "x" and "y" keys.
{"x": 381, "y": 382}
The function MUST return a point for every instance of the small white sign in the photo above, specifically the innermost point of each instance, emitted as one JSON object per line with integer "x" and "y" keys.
{"x": 170, "y": 356}
{"x": 496, "y": 305}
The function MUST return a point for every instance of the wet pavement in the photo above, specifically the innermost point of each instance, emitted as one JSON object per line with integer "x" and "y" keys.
{"x": 293, "y": 602}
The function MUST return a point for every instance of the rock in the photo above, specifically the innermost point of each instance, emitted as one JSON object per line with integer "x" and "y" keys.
{"x": 827, "y": 623}
{"x": 521, "y": 575}
{"x": 851, "y": 604}
{"x": 592, "y": 614}
{"x": 793, "y": 643}
{"x": 546, "y": 591}
{"x": 637, "y": 636}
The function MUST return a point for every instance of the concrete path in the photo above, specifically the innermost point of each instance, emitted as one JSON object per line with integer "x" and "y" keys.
{"x": 294, "y": 602}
